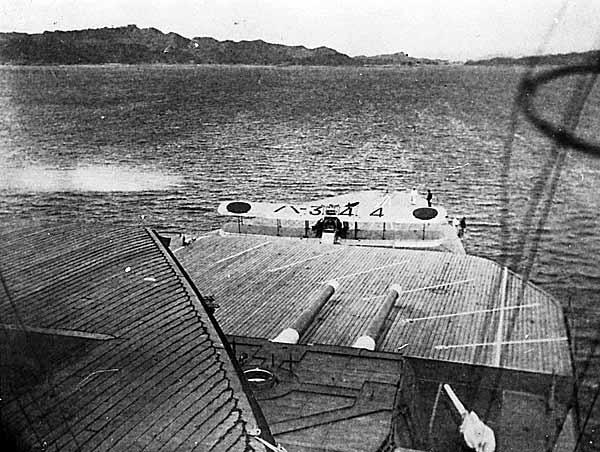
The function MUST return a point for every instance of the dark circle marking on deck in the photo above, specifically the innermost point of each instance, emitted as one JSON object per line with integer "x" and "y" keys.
{"x": 425, "y": 213}
{"x": 238, "y": 207}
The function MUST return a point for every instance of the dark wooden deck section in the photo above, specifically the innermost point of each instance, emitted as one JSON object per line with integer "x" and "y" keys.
{"x": 341, "y": 399}
{"x": 106, "y": 346}
{"x": 326, "y": 399}
{"x": 452, "y": 307}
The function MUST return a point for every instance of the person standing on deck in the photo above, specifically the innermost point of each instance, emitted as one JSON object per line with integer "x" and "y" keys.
{"x": 429, "y": 197}
{"x": 413, "y": 196}
{"x": 463, "y": 227}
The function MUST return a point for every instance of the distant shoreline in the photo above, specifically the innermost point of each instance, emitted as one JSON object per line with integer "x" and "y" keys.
{"x": 133, "y": 45}
{"x": 230, "y": 65}
{"x": 558, "y": 59}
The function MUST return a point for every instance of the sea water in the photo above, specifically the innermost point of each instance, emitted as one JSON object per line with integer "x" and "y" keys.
{"x": 160, "y": 146}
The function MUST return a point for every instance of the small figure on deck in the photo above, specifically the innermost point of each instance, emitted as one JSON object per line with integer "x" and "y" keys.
{"x": 429, "y": 197}
{"x": 413, "y": 196}
{"x": 455, "y": 224}
{"x": 318, "y": 228}
{"x": 463, "y": 227}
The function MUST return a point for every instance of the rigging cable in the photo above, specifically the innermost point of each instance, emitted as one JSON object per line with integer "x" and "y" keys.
{"x": 509, "y": 142}
{"x": 547, "y": 182}
{"x": 587, "y": 418}
{"x": 564, "y": 137}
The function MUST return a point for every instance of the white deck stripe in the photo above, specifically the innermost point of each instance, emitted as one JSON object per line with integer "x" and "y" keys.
{"x": 423, "y": 288}
{"x": 92, "y": 375}
{"x": 437, "y": 286}
{"x": 480, "y": 311}
{"x": 485, "y": 344}
{"x": 418, "y": 289}
{"x": 500, "y": 330}
{"x": 351, "y": 275}
{"x": 271, "y": 270}
{"x": 57, "y": 332}
{"x": 241, "y": 252}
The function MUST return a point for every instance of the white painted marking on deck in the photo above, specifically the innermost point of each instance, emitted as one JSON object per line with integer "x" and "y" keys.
{"x": 283, "y": 267}
{"x": 367, "y": 271}
{"x": 485, "y": 344}
{"x": 57, "y": 332}
{"x": 241, "y": 252}
{"x": 500, "y": 330}
{"x": 437, "y": 286}
{"x": 423, "y": 288}
{"x": 479, "y": 311}
{"x": 92, "y": 375}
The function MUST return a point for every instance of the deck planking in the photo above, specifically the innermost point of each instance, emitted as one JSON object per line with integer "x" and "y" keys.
{"x": 160, "y": 350}
{"x": 450, "y": 307}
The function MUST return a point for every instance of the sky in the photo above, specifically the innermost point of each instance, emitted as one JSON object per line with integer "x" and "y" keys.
{"x": 448, "y": 29}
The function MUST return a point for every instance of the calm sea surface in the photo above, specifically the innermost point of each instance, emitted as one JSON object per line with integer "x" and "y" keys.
{"x": 162, "y": 145}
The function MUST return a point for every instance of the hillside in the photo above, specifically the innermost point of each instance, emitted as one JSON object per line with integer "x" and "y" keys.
{"x": 554, "y": 59}
{"x": 132, "y": 45}
{"x": 394, "y": 59}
